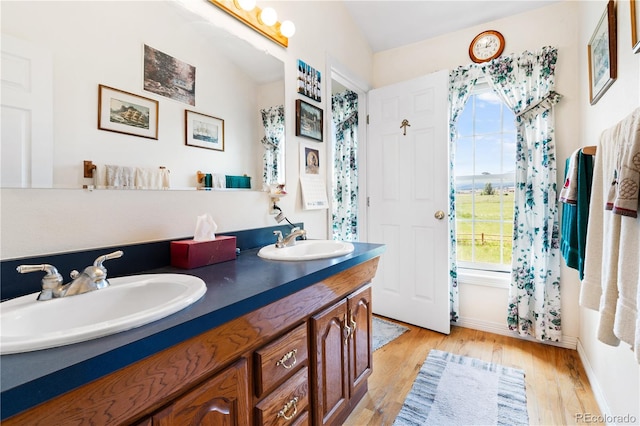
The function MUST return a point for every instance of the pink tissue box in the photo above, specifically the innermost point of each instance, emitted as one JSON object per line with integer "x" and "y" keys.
{"x": 188, "y": 254}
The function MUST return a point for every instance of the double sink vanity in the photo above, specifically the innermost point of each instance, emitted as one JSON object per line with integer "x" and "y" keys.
{"x": 249, "y": 341}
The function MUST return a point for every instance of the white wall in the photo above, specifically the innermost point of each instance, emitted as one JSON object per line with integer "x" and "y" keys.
{"x": 38, "y": 222}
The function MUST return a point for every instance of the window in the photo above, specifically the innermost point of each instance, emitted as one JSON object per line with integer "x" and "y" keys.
{"x": 485, "y": 180}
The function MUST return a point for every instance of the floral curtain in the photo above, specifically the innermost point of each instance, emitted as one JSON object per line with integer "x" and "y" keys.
{"x": 526, "y": 84}
{"x": 344, "y": 108}
{"x": 461, "y": 81}
{"x": 273, "y": 123}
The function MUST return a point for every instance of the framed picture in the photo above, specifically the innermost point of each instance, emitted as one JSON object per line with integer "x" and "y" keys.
{"x": 635, "y": 26}
{"x": 124, "y": 112}
{"x": 309, "y": 81}
{"x": 203, "y": 131}
{"x": 167, "y": 76}
{"x": 309, "y": 123}
{"x": 602, "y": 55}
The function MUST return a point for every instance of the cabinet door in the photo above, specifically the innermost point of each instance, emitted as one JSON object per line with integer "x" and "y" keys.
{"x": 360, "y": 355}
{"x": 330, "y": 361}
{"x": 220, "y": 401}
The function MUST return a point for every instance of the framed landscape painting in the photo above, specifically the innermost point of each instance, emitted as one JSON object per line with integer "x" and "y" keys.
{"x": 127, "y": 113}
{"x": 602, "y": 55}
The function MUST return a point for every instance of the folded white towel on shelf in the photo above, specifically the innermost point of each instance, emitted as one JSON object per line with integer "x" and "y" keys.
{"x": 569, "y": 192}
{"x": 120, "y": 176}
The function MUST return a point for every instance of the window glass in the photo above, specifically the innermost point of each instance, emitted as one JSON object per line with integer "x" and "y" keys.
{"x": 485, "y": 173}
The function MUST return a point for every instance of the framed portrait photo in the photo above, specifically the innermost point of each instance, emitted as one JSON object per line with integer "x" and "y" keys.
{"x": 204, "y": 131}
{"x": 127, "y": 113}
{"x": 602, "y": 55}
{"x": 309, "y": 120}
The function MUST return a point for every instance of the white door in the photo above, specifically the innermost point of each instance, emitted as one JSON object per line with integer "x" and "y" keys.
{"x": 408, "y": 187}
{"x": 27, "y": 115}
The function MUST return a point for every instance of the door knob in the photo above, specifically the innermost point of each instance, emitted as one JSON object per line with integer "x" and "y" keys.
{"x": 439, "y": 215}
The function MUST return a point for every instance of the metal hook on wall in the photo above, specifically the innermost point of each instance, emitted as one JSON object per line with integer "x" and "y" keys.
{"x": 404, "y": 125}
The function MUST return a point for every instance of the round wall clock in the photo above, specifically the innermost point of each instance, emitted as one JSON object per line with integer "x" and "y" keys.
{"x": 486, "y": 46}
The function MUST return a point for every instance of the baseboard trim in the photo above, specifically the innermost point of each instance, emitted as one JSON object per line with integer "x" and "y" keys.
{"x": 568, "y": 342}
{"x": 593, "y": 380}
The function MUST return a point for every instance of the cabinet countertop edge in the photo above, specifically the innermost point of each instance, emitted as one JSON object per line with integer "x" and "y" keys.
{"x": 234, "y": 289}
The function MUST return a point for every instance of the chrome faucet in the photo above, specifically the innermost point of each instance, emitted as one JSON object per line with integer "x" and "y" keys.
{"x": 290, "y": 239}
{"x": 92, "y": 278}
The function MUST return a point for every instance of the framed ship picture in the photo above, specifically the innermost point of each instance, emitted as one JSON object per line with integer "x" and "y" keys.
{"x": 204, "y": 131}
{"x": 127, "y": 113}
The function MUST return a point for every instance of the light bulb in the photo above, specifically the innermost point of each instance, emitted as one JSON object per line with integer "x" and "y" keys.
{"x": 287, "y": 28}
{"x": 247, "y": 5}
{"x": 268, "y": 16}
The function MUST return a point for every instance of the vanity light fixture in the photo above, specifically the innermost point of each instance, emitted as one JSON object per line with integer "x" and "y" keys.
{"x": 265, "y": 21}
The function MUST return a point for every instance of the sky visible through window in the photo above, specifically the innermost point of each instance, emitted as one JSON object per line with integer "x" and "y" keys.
{"x": 494, "y": 132}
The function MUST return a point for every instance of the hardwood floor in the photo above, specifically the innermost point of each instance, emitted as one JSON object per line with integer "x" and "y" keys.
{"x": 557, "y": 385}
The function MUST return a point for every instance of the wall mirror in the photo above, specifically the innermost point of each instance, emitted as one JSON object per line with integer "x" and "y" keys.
{"x": 81, "y": 45}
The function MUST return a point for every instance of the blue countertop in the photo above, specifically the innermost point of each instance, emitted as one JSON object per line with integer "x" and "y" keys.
{"x": 234, "y": 289}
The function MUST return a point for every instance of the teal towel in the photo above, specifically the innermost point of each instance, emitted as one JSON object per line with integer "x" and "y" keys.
{"x": 575, "y": 217}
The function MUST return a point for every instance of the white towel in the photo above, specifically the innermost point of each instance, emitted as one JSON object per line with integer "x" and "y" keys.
{"x": 626, "y": 314}
{"x": 612, "y": 261}
{"x": 219, "y": 180}
{"x": 120, "y": 176}
{"x": 623, "y": 193}
{"x": 599, "y": 284}
{"x": 152, "y": 178}
{"x": 569, "y": 192}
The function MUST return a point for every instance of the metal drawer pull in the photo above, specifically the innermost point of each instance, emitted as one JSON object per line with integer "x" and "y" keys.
{"x": 283, "y": 413}
{"x": 346, "y": 330}
{"x": 354, "y": 325}
{"x": 287, "y": 357}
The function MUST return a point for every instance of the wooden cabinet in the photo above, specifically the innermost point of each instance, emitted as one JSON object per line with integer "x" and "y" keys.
{"x": 303, "y": 359}
{"x": 341, "y": 356}
{"x": 220, "y": 401}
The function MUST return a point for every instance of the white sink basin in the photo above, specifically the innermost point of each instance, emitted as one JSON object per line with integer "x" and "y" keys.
{"x": 307, "y": 250}
{"x": 27, "y": 324}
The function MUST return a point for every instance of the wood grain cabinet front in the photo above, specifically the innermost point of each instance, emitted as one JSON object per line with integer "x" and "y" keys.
{"x": 278, "y": 360}
{"x": 220, "y": 401}
{"x": 341, "y": 356}
{"x": 283, "y": 405}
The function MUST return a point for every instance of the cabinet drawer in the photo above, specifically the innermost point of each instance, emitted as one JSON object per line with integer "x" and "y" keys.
{"x": 284, "y": 404}
{"x": 279, "y": 359}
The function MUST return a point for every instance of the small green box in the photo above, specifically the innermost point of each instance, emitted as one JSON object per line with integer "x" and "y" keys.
{"x": 238, "y": 182}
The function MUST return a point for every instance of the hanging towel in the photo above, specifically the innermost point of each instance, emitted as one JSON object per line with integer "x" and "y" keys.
{"x": 626, "y": 315}
{"x": 599, "y": 289}
{"x": 219, "y": 180}
{"x": 152, "y": 178}
{"x": 625, "y": 180}
{"x": 612, "y": 270}
{"x": 569, "y": 191}
{"x": 575, "y": 216}
{"x": 120, "y": 176}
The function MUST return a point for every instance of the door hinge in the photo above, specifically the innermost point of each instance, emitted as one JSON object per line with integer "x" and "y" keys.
{"x": 367, "y": 118}
{"x": 368, "y": 201}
